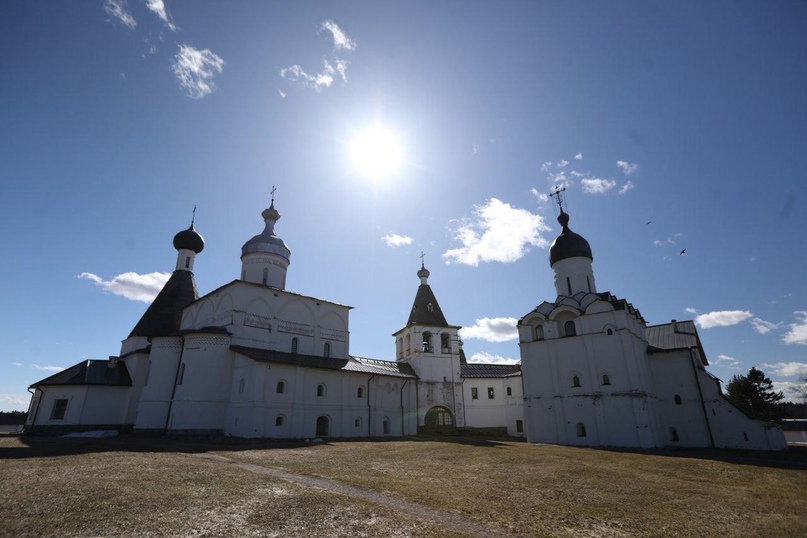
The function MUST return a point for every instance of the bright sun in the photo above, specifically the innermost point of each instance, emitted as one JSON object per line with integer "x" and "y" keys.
{"x": 376, "y": 153}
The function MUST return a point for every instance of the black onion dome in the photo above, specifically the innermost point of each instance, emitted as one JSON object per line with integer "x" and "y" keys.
{"x": 568, "y": 244}
{"x": 189, "y": 240}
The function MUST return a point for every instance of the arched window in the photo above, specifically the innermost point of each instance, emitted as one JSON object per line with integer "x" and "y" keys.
{"x": 439, "y": 418}
{"x": 430, "y": 307}
{"x": 569, "y": 329}
{"x": 281, "y": 387}
{"x": 241, "y": 386}
{"x": 445, "y": 343}
{"x": 294, "y": 343}
{"x": 427, "y": 342}
{"x": 569, "y": 284}
{"x": 385, "y": 425}
{"x": 321, "y": 389}
{"x": 509, "y": 391}
{"x": 576, "y": 381}
{"x": 323, "y": 426}
{"x": 187, "y": 262}
{"x": 520, "y": 426}
{"x": 357, "y": 422}
{"x": 581, "y": 429}
{"x": 408, "y": 343}
{"x": 539, "y": 332}
{"x": 181, "y": 375}
{"x": 399, "y": 345}
{"x": 609, "y": 332}
{"x": 677, "y": 399}
{"x": 673, "y": 434}
{"x": 360, "y": 392}
{"x": 326, "y": 352}
{"x": 265, "y": 276}
{"x": 605, "y": 379}
{"x": 279, "y": 420}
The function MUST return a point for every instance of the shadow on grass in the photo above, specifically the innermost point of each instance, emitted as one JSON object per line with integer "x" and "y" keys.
{"x": 46, "y": 447}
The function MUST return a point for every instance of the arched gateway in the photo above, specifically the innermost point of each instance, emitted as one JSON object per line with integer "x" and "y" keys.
{"x": 439, "y": 418}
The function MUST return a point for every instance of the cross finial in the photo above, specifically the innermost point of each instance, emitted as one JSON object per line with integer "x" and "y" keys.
{"x": 273, "y": 194}
{"x": 422, "y": 258}
{"x": 193, "y": 218}
{"x": 557, "y": 193}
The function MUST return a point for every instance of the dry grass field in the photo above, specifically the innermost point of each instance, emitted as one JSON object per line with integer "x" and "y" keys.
{"x": 132, "y": 486}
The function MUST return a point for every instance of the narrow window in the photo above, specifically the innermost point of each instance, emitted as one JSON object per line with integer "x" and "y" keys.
{"x": 59, "y": 409}
{"x": 490, "y": 393}
{"x": 445, "y": 343}
{"x": 360, "y": 392}
{"x": 408, "y": 343}
{"x": 279, "y": 420}
{"x": 281, "y": 387}
{"x": 326, "y": 352}
{"x": 569, "y": 284}
{"x": 714, "y": 413}
{"x": 520, "y": 426}
{"x": 181, "y": 375}
{"x": 187, "y": 261}
{"x": 673, "y": 434}
{"x": 427, "y": 342}
{"x": 148, "y": 373}
{"x": 294, "y": 343}
{"x": 677, "y": 400}
{"x": 241, "y": 387}
{"x": 430, "y": 307}
{"x": 385, "y": 425}
{"x": 265, "y": 276}
{"x": 606, "y": 380}
{"x": 243, "y": 274}
{"x": 474, "y": 393}
{"x": 589, "y": 283}
{"x": 509, "y": 391}
{"x": 569, "y": 328}
{"x": 745, "y": 435}
{"x": 357, "y": 422}
{"x": 576, "y": 381}
{"x": 320, "y": 390}
{"x": 581, "y": 429}
{"x": 610, "y": 332}
{"x": 539, "y": 332}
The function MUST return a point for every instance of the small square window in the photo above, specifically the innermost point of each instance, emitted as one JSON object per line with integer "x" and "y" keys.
{"x": 59, "y": 409}
{"x": 474, "y": 393}
{"x": 519, "y": 426}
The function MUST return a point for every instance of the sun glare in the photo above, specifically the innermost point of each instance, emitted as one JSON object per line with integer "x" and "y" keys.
{"x": 376, "y": 153}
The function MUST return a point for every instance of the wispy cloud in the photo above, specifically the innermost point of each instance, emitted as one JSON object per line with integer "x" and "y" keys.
{"x": 545, "y": 166}
{"x": 764, "y": 327}
{"x": 563, "y": 163}
{"x": 116, "y": 9}
{"x": 16, "y": 364}
{"x": 492, "y": 330}
{"x": 483, "y": 357}
{"x": 787, "y": 369}
{"x": 195, "y": 70}
{"x": 669, "y": 241}
{"x": 626, "y": 167}
{"x": 579, "y": 156}
{"x": 690, "y": 310}
{"x": 395, "y": 240}
{"x": 47, "y": 368}
{"x": 541, "y": 196}
{"x": 282, "y": 94}
{"x": 722, "y": 318}
{"x": 497, "y": 232}
{"x": 626, "y": 187}
{"x": 17, "y": 401}
{"x": 597, "y": 185}
{"x": 729, "y": 362}
{"x": 798, "y": 331}
{"x": 296, "y": 74}
{"x": 133, "y": 286}
{"x": 340, "y": 40}
{"x": 158, "y": 8}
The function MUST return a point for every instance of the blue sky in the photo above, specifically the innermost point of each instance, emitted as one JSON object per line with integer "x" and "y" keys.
{"x": 678, "y": 125}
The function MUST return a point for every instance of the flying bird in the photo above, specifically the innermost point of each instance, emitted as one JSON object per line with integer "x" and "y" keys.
{"x": 682, "y": 252}
{"x": 648, "y": 222}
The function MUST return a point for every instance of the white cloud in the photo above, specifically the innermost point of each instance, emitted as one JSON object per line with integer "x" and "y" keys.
{"x": 395, "y": 240}
{"x": 575, "y": 173}
{"x": 282, "y": 94}
{"x": 690, "y": 310}
{"x": 18, "y": 401}
{"x": 117, "y": 10}
{"x": 341, "y": 68}
{"x": 563, "y": 163}
{"x": 626, "y": 187}
{"x": 498, "y": 232}
{"x": 474, "y": 149}
{"x": 798, "y": 331}
{"x": 295, "y": 73}
{"x": 545, "y": 166}
{"x": 787, "y": 369}
{"x": 764, "y": 327}
{"x": 541, "y": 196}
{"x": 47, "y": 368}
{"x": 158, "y": 8}
{"x": 492, "y": 330}
{"x": 597, "y": 186}
{"x": 722, "y": 318}
{"x": 195, "y": 70}
{"x": 730, "y": 362}
{"x": 484, "y": 357}
{"x": 627, "y": 168}
{"x": 560, "y": 179}
{"x": 16, "y": 364}
{"x": 340, "y": 40}
{"x": 669, "y": 241}
{"x": 133, "y": 286}
{"x": 579, "y": 156}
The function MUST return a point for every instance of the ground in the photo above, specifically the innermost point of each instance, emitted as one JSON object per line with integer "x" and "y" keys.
{"x": 424, "y": 486}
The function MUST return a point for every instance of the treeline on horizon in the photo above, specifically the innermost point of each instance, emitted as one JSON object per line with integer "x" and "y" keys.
{"x": 12, "y": 417}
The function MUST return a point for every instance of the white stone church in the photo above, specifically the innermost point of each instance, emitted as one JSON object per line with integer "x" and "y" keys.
{"x": 251, "y": 359}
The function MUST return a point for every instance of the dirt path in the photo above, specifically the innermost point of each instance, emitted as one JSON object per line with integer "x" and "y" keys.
{"x": 442, "y": 518}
